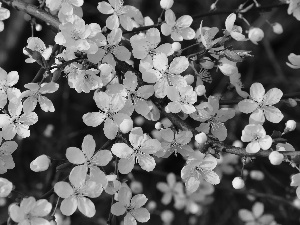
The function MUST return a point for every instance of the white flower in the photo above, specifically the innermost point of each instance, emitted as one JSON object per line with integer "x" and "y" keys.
{"x": 255, "y": 34}
{"x": 178, "y": 29}
{"x": 164, "y": 76}
{"x": 132, "y": 206}
{"x": 261, "y": 105}
{"x": 277, "y": 28}
{"x": 15, "y": 123}
{"x": 36, "y": 44}
{"x": 294, "y": 61}
{"x": 294, "y": 8}
{"x": 296, "y": 183}
{"x": 4, "y": 14}
{"x": 75, "y": 196}
{"x": 127, "y": 16}
{"x": 5, "y": 187}
{"x": 276, "y": 158}
{"x": 30, "y": 211}
{"x": 86, "y": 160}
{"x": 182, "y": 99}
{"x": 7, "y": 91}
{"x": 234, "y": 31}
{"x": 238, "y": 183}
{"x": 256, "y": 135}
{"x": 65, "y": 6}
{"x": 213, "y": 118}
{"x": 199, "y": 166}
{"x": 166, "y": 4}
{"x": 171, "y": 189}
{"x": 290, "y": 125}
{"x": 146, "y": 45}
{"x": 34, "y": 96}
{"x": 6, "y": 159}
{"x": 256, "y": 216}
{"x": 40, "y": 164}
{"x": 142, "y": 147}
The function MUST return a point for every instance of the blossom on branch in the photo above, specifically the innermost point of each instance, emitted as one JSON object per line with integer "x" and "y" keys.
{"x": 7, "y": 91}
{"x": 132, "y": 206}
{"x": 87, "y": 163}
{"x": 30, "y": 211}
{"x": 127, "y": 16}
{"x": 199, "y": 166}
{"x": 178, "y": 29}
{"x": 256, "y": 135}
{"x": 260, "y": 105}
{"x": 34, "y": 96}
{"x": 142, "y": 147}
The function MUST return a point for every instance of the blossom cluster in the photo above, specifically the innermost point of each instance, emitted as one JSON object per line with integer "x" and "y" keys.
{"x": 101, "y": 60}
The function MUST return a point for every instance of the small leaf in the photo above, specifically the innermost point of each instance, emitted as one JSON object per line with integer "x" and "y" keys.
{"x": 232, "y": 56}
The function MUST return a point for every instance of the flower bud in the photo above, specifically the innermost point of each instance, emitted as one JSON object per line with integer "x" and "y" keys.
{"x": 167, "y": 216}
{"x": 257, "y": 175}
{"x": 293, "y": 102}
{"x": 126, "y": 126}
{"x": 166, "y": 4}
{"x": 255, "y": 34}
{"x": 290, "y": 125}
{"x": 238, "y": 144}
{"x": 213, "y": 6}
{"x": 238, "y": 183}
{"x": 38, "y": 27}
{"x": 136, "y": 187}
{"x": 201, "y": 138}
{"x": 189, "y": 79}
{"x": 158, "y": 125}
{"x": 277, "y": 28}
{"x": 40, "y": 164}
{"x": 200, "y": 90}
{"x": 151, "y": 205}
{"x": 176, "y": 46}
{"x": 139, "y": 120}
{"x": 276, "y": 158}
{"x": 5, "y": 187}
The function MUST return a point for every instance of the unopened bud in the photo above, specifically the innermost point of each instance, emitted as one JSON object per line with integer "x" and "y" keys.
{"x": 176, "y": 46}
{"x": 166, "y": 4}
{"x": 255, "y": 34}
{"x": 277, "y": 28}
{"x": 201, "y": 138}
{"x": 213, "y": 6}
{"x": 5, "y": 187}
{"x": 200, "y": 90}
{"x": 189, "y": 79}
{"x": 40, "y": 164}
{"x": 276, "y": 158}
{"x": 293, "y": 102}
{"x": 158, "y": 126}
{"x": 38, "y": 27}
{"x": 238, "y": 183}
{"x": 290, "y": 125}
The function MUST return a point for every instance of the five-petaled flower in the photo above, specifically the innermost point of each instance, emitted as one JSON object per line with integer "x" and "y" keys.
{"x": 132, "y": 206}
{"x": 256, "y": 135}
{"x": 260, "y": 105}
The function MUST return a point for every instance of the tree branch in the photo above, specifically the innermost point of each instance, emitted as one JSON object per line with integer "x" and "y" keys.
{"x": 228, "y": 11}
{"x": 236, "y": 101}
{"x": 33, "y": 11}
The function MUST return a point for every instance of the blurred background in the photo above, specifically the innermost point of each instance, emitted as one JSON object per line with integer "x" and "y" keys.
{"x": 54, "y": 132}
